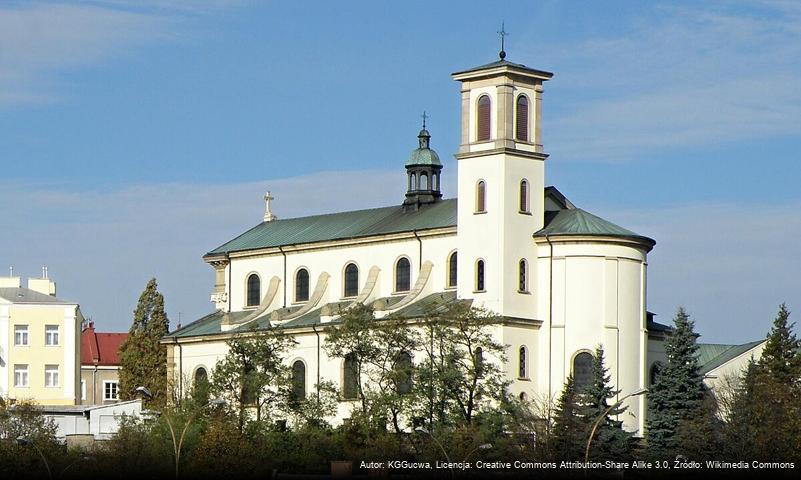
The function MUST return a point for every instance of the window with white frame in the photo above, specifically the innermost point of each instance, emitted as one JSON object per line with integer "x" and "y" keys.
{"x": 110, "y": 390}
{"x": 51, "y": 375}
{"x": 20, "y": 335}
{"x": 51, "y": 335}
{"x": 20, "y": 375}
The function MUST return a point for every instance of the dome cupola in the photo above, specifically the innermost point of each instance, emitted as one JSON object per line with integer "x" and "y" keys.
{"x": 423, "y": 170}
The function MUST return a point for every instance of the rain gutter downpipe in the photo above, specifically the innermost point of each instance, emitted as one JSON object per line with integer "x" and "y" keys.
{"x": 280, "y": 249}
{"x": 550, "y": 321}
{"x": 419, "y": 250}
{"x": 314, "y": 328}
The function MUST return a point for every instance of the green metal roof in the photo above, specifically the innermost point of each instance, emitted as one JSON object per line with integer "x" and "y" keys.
{"x": 505, "y": 63}
{"x": 576, "y": 221}
{"x": 423, "y": 156}
{"x": 339, "y": 226}
{"x": 713, "y": 355}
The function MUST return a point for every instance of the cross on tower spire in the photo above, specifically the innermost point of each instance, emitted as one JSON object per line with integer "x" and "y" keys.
{"x": 424, "y": 117}
{"x": 502, "y": 32}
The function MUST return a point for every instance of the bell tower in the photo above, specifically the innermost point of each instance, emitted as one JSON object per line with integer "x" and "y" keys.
{"x": 423, "y": 173}
{"x": 501, "y": 185}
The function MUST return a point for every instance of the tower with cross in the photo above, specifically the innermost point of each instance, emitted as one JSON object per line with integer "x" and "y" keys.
{"x": 423, "y": 173}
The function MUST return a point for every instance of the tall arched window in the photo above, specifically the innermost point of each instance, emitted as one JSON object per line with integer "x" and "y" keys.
{"x": 302, "y": 285}
{"x": 483, "y": 118}
{"x": 480, "y": 276}
{"x": 656, "y": 369}
{"x": 403, "y": 275}
{"x": 479, "y": 361}
{"x": 200, "y": 387}
{"x": 521, "y": 132}
{"x": 350, "y": 373}
{"x": 582, "y": 370}
{"x": 481, "y": 196}
{"x": 452, "y": 263}
{"x": 524, "y": 196}
{"x": 351, "y": 280}
{"x": 403, "y": 369}
{"x": 253, "y": 290}
{"x": 298, "y": 380}
{"x": 522, "y": 362}
{"x": 424, "y": 181}
{"x": 523, "y": 275}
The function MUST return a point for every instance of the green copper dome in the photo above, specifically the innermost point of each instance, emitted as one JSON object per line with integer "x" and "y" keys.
{"x": 423, "y": 155}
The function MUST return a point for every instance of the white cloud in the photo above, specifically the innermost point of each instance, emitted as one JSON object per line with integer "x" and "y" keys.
{"x": 682, "y": 78}
{"x": 730, "y": 265}
{"x": 101, "y": 246}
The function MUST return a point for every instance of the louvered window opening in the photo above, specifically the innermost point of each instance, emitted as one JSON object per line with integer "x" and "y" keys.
{"x": 484, "y": 109}
{"x": 522, "y": 118}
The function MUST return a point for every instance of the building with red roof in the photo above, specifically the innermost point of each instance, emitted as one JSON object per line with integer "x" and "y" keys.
{"x": 100, "y": 365}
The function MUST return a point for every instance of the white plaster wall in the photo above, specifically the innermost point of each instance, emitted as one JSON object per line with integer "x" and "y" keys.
{"x": 5, "y": 368}
{"x": 718, "y": 378}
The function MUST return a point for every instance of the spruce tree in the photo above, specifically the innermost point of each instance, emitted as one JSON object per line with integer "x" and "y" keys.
{"x": 143, "y": 360}
{"x": 677, "y": 395}
{"x": 569, "y": 433}
{"x": 781, "y": 357}
{"x": 610, "y": 441}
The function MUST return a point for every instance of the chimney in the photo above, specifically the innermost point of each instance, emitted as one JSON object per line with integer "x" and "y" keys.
{"x": 43, "y": 285}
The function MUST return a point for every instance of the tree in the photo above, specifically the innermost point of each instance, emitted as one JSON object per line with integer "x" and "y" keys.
{"x": 570, "y": 431}
{"x": 253, "y": 374}
{"x": 460, "y": 375}
{"x": 781, "y": 357}
{"x": 143, "y": 359}
{"x": 610, "y": 441}
{"x": 677, "y": 395}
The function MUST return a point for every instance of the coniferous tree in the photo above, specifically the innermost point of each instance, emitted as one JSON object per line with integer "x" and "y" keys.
{"x": 743, "y": 416}
{"x": 143, "y": 360}
{"x": 569, "y": 432}
{"x": 677, "y": 395}
{"x": 781, "y": 357}
{"x": 609, "y": 441}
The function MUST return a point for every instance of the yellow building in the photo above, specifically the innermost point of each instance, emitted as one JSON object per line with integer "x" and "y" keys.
{"x": 39, "y": 343}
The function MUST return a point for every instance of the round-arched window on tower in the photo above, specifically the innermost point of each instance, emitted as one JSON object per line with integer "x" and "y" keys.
{"x": 351, "y": 280}
{"x": 452, "y": 265}
{"x": 524, "y": 208}
{"x": 582, "y": 370}
{"x": 483, "y": 118}
{"x": 302, "y": 285}
{"x": 523, "y": 276}
{"x": 403, "y": 275}
{"x": 253, "y": 290}
{"x": 298, "y": 380}
{"x": 521, "y": 120}
{"x": 481, "y": 196}
{"x": 522, "y": 362}
{"x": 480, "y": 276}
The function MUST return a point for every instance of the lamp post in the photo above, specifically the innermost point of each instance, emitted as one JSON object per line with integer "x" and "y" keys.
{"x": 600, "y": 419}
{"x": 178, "y": 442}
{"x": 423, "y": 430}
{"x": 25, "y": 442}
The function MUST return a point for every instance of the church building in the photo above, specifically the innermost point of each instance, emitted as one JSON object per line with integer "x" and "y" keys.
{"x": 562, "y": 279}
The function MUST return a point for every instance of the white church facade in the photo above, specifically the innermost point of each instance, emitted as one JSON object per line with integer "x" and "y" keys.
{"x": 563, "y": 280}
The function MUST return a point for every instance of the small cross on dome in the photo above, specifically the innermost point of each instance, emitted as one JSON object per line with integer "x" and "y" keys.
{"x": 503, "y": 33}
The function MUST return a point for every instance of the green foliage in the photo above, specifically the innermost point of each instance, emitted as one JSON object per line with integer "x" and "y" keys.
{"x": 610, "y": 442}
{"x": 678, "y": 393}
{"x": 781, "y": 358}
{"x": 253, "y": 376}
{"x": 569, "y": 431}
{"x": 460, "y": 375}
{"x": 143, "y": 360}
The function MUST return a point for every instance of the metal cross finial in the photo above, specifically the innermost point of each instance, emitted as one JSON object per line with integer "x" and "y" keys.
{"x": 502, "y": 32}
{"x": 424, "y": 116}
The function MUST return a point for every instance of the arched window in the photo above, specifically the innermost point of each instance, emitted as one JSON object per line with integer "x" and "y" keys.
{"x": 200, "y": 386}
{"x": 302, "y": 285}
{"x": 483, "y": 118}
{"x": 481, "y": 197}
{"x": 413, "y": 182}
{"x": 298, "y": 380}
{"x": 404, "y": 373}
{"x": 523, "y": 275}
{"x": 524, "y": 196}
{"x": 480, "y": 276}
{"x": 452, "y": 263}
{"x": 350, "y": 373}
{"x": 403, "y": 275}
{"x": 582, "y": 370}
{"x": 479, "y": 361}
{"x": 521, "y": 131}
{"x": 254, "y": 290}
{"x": 424, "y": 181}
{"x": 351, "y": 280}
{"x": 523, "y": 397}
{"x": 656, "y": 369}
{"x": 522, "y": 365}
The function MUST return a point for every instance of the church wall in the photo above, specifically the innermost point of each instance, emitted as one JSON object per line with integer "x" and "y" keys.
{"x": 334, "y": 258}
{"x": 598, "y": 297}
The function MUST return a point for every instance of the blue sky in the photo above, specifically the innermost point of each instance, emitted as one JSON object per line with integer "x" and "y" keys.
{"x": 137, "y": 135}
